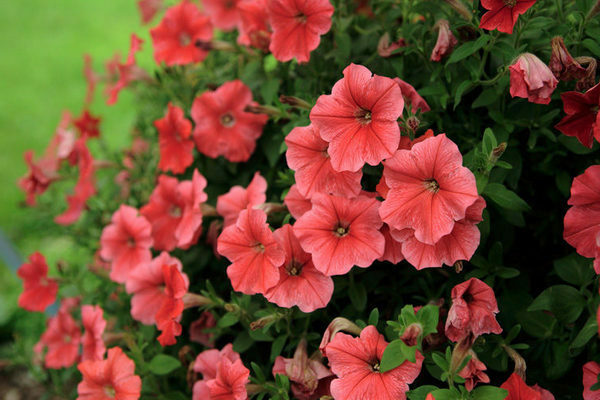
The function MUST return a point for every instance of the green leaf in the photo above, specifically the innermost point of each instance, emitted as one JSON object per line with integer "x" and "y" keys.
{"x": 227, "y": 320}
{"x": 395, "y": 354}
{"x": 564, "y": 301}
{"x": 589, "y": 330}
{"x": 446, "y": 394}
{"x": 242, "y": 342}
{"x": 489, "y": 141}
{"x": 505, "y": 198}
{"x": 270, "y": 63}
{"x": 440, "y": 361}
{"x": 538, "y": 324}
{"x": 260, "y": 376}
{"x": 358, "y": 296}
{"x": 574, "y": 269}
{"x": 488, "y": 393}
{"x": 421, "y": 392}
{"x": 277, "y": 346}
{"x": 592, "y": 46}
{"x": 163, "y": 364}
{"x": 428, "y": 316}
{"x": 269, "y": 89}
{"x": 485, "y": 98}
{"x": 462, "y": 88}
{"x": 466, "y": 49}
{"x": 374, "y": 317}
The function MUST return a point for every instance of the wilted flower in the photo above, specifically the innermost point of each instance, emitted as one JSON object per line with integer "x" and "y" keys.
{"x": 531, "y": 79}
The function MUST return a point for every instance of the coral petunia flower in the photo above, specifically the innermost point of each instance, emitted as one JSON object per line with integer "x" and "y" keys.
{"x": 62, "y": 338}
{"x": 127, "y": 72}
{"x": 591, "y": 370}
{"x": 230, "y": 204}
{"x": 174, "y": 39}
{"x": 126, "y": 242}
{"x": 87, "y": 125}
{"x": 254, "y": 27}
{"x": 356, "y": 363}
{"x": 473, "y": 372}
{"x": 176, "y": 147}
{"x": 94, "y": 324}
{"x": 223, "y": 128}
{"x": 518, "y": 390}
{"x": 148, "y": 9}
{"x": 393, "y": 248}
{"x": 200, "y": 329}
{"x": 113, "y": 378}
{"x": 359, "y": 119}
{"x": 582, "y": 120}
{"x": 296, "y": 204}
{"x": 224, "y": 14}
{"x": 297, "y": 27}
{"x": 91, "y": 79}
{"x": 300, "y": 283}
{"x": 147, "y": 285}
{"x": 253, "y": 251}
{"x": 39, "y": 177}
{"x": 412, "y": 99}
{"x": 473, "y": 310}
{"x": 503, "y": 14}
{"x": 445, "y": 41}
{"x": 39, "y": 291}
{"x": 309, "y": 378}
{"x": 229, "y": 384}
{"x": 307, "y": 155}
{"x": 168, "y": 315}
{"x": 531, "y": 79}
{"x": 208, "y": 361}
{"x": 340, "y": 233}
{"x": 430, "y": 189}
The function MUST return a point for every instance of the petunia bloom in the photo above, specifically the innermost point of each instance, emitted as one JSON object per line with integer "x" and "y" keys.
{"x": 126, "y": 242}
{"x": 146, "y": 283}
{"x": 356, "y": 363}
{"x": 207, "y": 362}
{"x": 386, "y": 48}
{"x": 61, "y": 338}
{"x": 125, "y": 72}
{"x": 223, "y": 14}
{"x": 253, "y": 251}
{"x": 87, "y": 125}
{"x": 297, "y": 27}
{"x": 518, "y": 390}
{"x": 229, "y": 383}
{"x": 148, "y": 9}
{"x": 200, "y": 329}
{"x": 339, "y": 233}
{"x": 473, "y": 311}
{"x": 176, "y": 147}
{"x": 562, "y": 64}
{"x": 300, "y": 283}
{"x": 591, "y": 370}
{"x": 393, "y": 248}
{"x": 254, "y": 26}
{"x": 445, "y": 41}
{"x": 223, "y": 128}
{"x": 38, "y": 178}
{"x": 168, "y": 315}
{"x": 503, "y": 14}
{"x": 473, "y": 372}
{"x": 430, "y": 189}
{"x": 230, "y": 204}
{"x": 94, "y": 324}
{"x": 307, "y": 155}
{"x": 531, "y": 79}
{"x": 412, "y": 99}
{"x": 112, "y": 378}
{"x": 359, "y": 119}
{"x": 296, "y": 204}
{"x": 582, "y": 120}
{"x": 39, "y": 291}
{"x": 174, "y": 39}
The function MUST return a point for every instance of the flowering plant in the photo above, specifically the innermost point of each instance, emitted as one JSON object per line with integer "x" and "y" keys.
{"x": 331, "y": 199}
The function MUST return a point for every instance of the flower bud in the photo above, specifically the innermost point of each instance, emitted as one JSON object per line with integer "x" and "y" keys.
{"x": 445, "y": 41}
{"x": 411, "y": 334}
{"x": 460, "y": 8}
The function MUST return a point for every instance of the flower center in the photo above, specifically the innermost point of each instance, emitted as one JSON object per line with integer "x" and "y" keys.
{"x": 110, "y": 391}
{"x": 131, "y": 242}
{"x": 467, "y": 297}
{"x": 175, "y": 211}
{"x": 259, "y": 248}
{"x": 375, "y": 366}
{"x": 227, "y": 120}
{"x": 363, "y": 116}
{"x": 294, "y": 268}
{"x": 184, "y": 39}
{"x": 301, "y": 18}
{"x": 67, "y": 338}
{"x": 432, "y": 185}
{"x": 341, "y": 231}
{"x": 510, "y": 3}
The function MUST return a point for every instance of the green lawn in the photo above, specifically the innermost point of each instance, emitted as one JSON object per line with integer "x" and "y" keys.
{"x": 42, "y": 44}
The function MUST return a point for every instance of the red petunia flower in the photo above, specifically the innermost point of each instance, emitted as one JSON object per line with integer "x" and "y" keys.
{"x": 430, "y": 189}
{"x": 39, "y": 291}
{"x": 307, "y": 155}
{"x": 356, "y": 363}
{"x": 224, "y": 14}
{"x": 582, "y": 120}
{"x": 127, "y": 72}
{"x": 300, "y": 283}
{"x": 254, "y": 27}
{"x": 393, "y": 248}
{"x": 340, "y": 233}
{"x": 62, "y": 338}
{"x": 148, "y": 9}
{"x": 411, "y": 97}
{"x": 309, "y": 378}
{"x": 253, "y": 251}
{"x": 473, "y": 311}
{"x": 359, "y": 119}
{"x": 146, "y": 283}
{"x": 518, "y": 390}
{"x": 87, "y": 125}
{"x": 200, "y": 329}
{"x": 223, "y": 128}
{"x": 176, "y": 147}
{"x": 94, "y": 324}
{"x": 168, "y": 315}
{"x": 473, "y": 372}
{"x": 531, "y": 79}
{"x": 297, "y": 27}
{"x": 39, "y": 177}
{"x": 91, "y": 78}
{"x": 207, "y": 362}
{"x": 230, "y": 204}
{"x": 229, "y": 383}
{"x": 591, "y": 370}
{"x": 113, "y": 378}
{"x": 503, "y": 14}
{"x": 174, "y": 39}
{"x": 445, "y": 41}
{"x": 296, "y": 204}
{"x": 126, "y": 242}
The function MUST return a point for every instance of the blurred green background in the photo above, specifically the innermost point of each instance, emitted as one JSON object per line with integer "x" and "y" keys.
{"x": 42, "y": 44}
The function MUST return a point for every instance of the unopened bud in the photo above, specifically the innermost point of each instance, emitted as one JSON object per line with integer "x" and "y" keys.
{"x": 413, "y": 123}
{"x": 460, "y": 352}
{"x": 497, "y": 152}
{"x": 230, "y": 307}
{"x": 295, "y": 102}
{"x": 460, "y": 8}
{"x": 458, "y": 267}
{"x": 262, "y": 322}
{"x": 191, "y": 300}
{"x": 411, "y": 334}
{"x": 214, "y": 45}
{"x": 260, "y": 109}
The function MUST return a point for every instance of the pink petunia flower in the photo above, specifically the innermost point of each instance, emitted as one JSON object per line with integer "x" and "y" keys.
{"x": 255, "y": 26}
{"x": 582, "y": 120}
{"x": 39, "y": 291}
{"x": 393, "y": 248}
{"x": 445, "y": 41}
{"x": 230, "y": 204}
{"x": 503, "y": 14}
{"x": 62, "y": 338}
{"x": 297, "y": 27}
{"x": 253, "y": 251}
{"x": 356, "y": 363}
{"x": 200, "y": 329}
{"x": 176, "y": 147}
{"x": 531, "y": 79}
{"x": 229, "y": 383}
{"x": 174, "y": 39}
{"x": 412, "y": 99}
{"x": 300, "y": 283}
{"x": 430, "y": 189}
{"x": 223, "y": 128}
{"x": 148, "y": 9}
{"x": 147, "y": 285}
{"x": 473, "y": 372}
{"x": 94, "y": 324}
{"x": 224, "y": 14}
{"x": 168, "y": 315}
{"x": 473, "y": 311}
{"x": 339, "y": 233}
{"x": 307, "y": 155}
{"x": 359, "y": 119}
{"x": 518, "y": 390}
{"x": 296, "y": 204}
{"x": 126, "y": 242}
{"x": 206, "y": 363}
{"x": 39, "y": 177}
{"x": 591, "y": 370}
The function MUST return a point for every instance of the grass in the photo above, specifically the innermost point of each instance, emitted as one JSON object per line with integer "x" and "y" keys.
{"x": 42, "y": 45}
